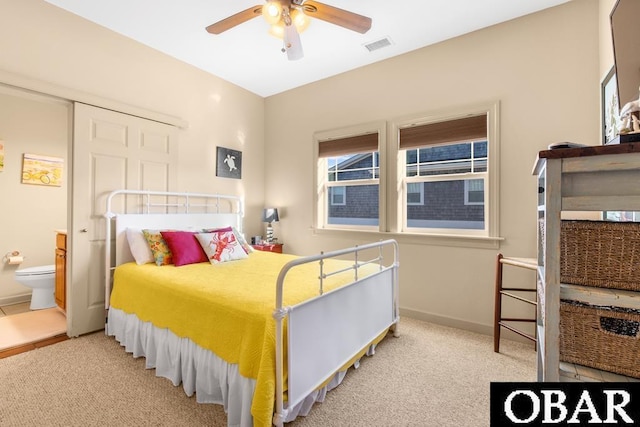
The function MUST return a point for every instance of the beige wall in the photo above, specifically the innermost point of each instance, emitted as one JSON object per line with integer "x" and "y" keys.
{"x": 30, "y": 213}
{"x": 43, "y": 43}
{"x": 544, "y": 69}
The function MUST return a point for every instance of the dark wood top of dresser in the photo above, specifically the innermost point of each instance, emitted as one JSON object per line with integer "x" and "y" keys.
{"x": 596, "y": 150}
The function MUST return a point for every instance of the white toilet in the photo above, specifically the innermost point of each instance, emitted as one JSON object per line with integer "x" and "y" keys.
{"x": 42, "y": 280}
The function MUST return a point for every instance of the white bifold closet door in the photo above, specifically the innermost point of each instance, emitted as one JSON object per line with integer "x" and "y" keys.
{"x": 111, "y": 151}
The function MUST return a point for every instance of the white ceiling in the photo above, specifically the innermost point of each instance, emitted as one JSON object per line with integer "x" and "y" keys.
{"x": 249, "y": 57}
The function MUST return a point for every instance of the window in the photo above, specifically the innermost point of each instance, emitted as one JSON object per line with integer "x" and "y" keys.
{"x": 432, "y": 178}
{"x": 449, "y": 159}
{"x": 474, "y": 192}
{"x": 337, "y": 196}
{"x": 348, "y": 175}
{"x": 415, "y": 193}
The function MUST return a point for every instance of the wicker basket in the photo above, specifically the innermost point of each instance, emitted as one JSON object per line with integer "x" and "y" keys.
{"x": 601, "y": 254}
{"x": 606, "y": 338}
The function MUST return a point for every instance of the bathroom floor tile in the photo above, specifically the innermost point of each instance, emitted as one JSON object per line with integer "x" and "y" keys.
{"x": 23, "y": 328}
{"x": 22, "y": 307}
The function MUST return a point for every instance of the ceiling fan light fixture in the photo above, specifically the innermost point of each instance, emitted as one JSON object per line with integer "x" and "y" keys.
{"x": 300, "y": 20}
{"x": 272, "y": 12}
{"x": 288, "y": 18}
{"x": 277, "y": 31}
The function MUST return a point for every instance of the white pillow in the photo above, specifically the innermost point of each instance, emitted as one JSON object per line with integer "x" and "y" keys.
{"x": 139, "y": 246}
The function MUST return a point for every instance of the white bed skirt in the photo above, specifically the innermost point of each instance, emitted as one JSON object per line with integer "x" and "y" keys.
{"x": 199, "y": 370}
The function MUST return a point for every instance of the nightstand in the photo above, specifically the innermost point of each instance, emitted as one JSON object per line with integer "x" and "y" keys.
{"x": 269, "y": 247}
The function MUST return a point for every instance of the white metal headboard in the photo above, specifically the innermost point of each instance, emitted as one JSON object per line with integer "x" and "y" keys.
{"x": 161, "y": 210}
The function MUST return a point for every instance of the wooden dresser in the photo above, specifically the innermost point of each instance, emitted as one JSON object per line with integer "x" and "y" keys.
{"x": 598, "y": 178}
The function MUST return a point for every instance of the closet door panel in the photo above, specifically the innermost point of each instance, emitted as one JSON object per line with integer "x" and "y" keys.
{"x": 111, "y": 151}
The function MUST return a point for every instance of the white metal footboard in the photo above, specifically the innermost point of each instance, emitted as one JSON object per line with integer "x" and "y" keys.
{"x": 326, "y": 332}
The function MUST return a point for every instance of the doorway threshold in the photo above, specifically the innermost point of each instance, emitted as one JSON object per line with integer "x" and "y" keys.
{"x": 30, "y": 330}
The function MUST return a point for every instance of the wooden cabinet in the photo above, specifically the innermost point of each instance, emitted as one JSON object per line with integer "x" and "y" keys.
{"x": 600, "y": 178}
{"x": 269, "y": 247}
{"x": 61, "y": 270}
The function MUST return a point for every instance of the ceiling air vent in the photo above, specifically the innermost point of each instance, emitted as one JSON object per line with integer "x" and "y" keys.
{"x": 378, "y": 44}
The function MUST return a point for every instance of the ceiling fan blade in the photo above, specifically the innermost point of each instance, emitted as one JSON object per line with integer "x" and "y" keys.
{"x": 334, "y": 15}
{"x": 233, "y": 20}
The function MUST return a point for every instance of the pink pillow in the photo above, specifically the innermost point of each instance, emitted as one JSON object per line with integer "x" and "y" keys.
{"x": 184, "y": 247}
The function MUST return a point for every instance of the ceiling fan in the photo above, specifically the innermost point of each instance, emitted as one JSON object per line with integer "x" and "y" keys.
{"x": 288, "y": 18}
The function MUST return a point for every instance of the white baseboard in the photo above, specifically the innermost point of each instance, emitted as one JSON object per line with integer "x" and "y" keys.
{"x": 15, "y": 299}
{"x": 460, "y": 324}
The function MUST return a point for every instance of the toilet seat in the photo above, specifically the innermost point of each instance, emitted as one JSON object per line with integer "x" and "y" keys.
{"x": 41, "y": 280}
{"x": 36, "y": 271}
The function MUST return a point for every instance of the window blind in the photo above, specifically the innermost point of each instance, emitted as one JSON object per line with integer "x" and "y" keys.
{"x": 465, "y": 129}
{"x": 348, "y": 145}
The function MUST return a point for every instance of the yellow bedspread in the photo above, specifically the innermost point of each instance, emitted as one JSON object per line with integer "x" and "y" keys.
{"x": 226, "y": 308}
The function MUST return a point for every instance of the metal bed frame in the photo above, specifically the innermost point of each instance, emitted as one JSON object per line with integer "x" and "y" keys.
{"x": 345, "y": 320}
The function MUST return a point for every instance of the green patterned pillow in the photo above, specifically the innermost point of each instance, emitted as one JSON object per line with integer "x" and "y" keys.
{"x": 161, "y": 253}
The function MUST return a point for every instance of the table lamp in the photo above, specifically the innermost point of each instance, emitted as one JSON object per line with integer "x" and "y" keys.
{"x": 270, "y": 215}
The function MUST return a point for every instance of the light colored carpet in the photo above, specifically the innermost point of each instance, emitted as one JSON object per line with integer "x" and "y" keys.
{"x": 31, "y": 326}
{"x": 430, "y": 376}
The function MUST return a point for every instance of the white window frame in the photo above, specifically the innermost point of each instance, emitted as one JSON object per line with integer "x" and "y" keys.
{"x": 322, "y": 184}
{"x": 446, "y": 231}
{"x": 489, "y": 236}
{"x": 392, "y": 191}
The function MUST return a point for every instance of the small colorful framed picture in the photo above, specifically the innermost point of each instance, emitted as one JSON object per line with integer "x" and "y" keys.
{"x": 42, "y": 170}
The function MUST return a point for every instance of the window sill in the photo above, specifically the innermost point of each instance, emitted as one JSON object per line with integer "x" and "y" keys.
{"x": 479, "y": 242}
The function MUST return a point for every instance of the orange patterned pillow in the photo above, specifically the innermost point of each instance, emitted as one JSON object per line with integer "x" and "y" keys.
{"x": 161, "y": 253}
